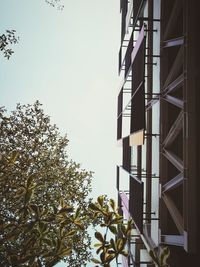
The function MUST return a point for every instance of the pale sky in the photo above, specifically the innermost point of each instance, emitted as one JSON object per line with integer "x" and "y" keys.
{"x": 68, "y": 61}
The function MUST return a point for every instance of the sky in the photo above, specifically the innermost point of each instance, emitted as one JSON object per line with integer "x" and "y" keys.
{"x": 68, "y": 61}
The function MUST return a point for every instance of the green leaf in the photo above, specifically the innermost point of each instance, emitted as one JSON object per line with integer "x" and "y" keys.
{"x": 66, "y": 209}
{"x": 79, "y": 224}
{"x": 102, "y": 256}
{"x": 113, "y": 229}
{"x": 154, "y": 256}
{"x": 43, "y": 227}
{"x": 94, "y": 207}
{"x": 62, "y": 202}
{"x": 31, "y": 262}
{"x": 48, "y": 242}
{"x": 164, "y": 255}
{"x": 105, "y": 213}
{"x": 120, "y": 244}
{"x": 97, "y": 245}
{"x": 124, "y": 253}
{"x": 29, "y": 181}
{"x": 95, "y": 261}
{"x": 28, "y": 196}
{"x": 65, "y": 252}
{"x": 20, "y": 192}
{"x": 99, "y": 236}
{"x": 99, "y": 249}
{"x": 109, "y": 257}
{"x": 103, "y": 225}
{"x": 30, "y": 226}
{"x": 25, "y": 259}
{"x": 113, "y": 245}
{"x": 123, "y": 229}
{"x": 117, "y": 220}
{"x": 71, "y": 233}
{"x": 77, "y": 213}
{"x": 112, "y": 204}
{"x": 111, "y": 252}
{"x": 129, "y": 224}
{"x": 14, "y": 157}
{"x": 100, "y": 200}
{"x": 9, "y": 225}
{"x": 34, "y": 208}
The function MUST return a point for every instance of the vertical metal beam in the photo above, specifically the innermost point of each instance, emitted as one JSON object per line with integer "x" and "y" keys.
{"x": 191, "y": 125}
{"x": 139, "y": 161}
{"x": 149, "y": 111}
{"x": 117, "y": 177}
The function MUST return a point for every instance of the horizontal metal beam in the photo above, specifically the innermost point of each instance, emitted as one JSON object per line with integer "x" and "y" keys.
{"x": 177, "y": 240}
{"x": 174, "y": 100}
{"x": 173, "y": 42}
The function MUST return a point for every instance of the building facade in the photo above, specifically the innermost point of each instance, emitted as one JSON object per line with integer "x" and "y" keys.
{"x": 158, "y": 179}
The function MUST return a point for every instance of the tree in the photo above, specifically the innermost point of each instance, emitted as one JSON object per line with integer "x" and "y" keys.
{"x": 44, "y": 207}
{"x": 112, "y": 234}
{"x": 44, "y": 195}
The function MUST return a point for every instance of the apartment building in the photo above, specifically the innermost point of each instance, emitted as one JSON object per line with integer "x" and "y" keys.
{"x": 158, "y": 179}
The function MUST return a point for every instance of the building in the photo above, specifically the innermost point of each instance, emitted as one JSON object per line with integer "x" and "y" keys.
{"x": 158, "y": 180}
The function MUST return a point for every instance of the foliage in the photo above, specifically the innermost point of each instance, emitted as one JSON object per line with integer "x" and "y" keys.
{"x": 160, "y": 259}
{"x": 55, "y": 3}
{"x": 6, "y": 39}
{"x": 106, "y": 215}
{"x": 43, "y": 199}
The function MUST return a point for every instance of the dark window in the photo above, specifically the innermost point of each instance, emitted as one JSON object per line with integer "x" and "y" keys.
{"x": 136, "y": 8}
{"x": 120, "y": 60}
{"x": 128, "y": 56}
{"x": 117, "y": 178}
{"x": 138, "y": 90}
{"x": 119, "y": 115}
{"x": 126, "y": 154}
{"x": 136, "y": 202}
{"x": 124, "y": 7}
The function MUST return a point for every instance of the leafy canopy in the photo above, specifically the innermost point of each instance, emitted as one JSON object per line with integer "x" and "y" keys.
{"x": 43, "y": 199}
